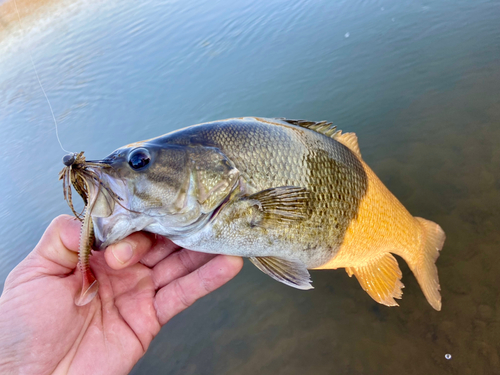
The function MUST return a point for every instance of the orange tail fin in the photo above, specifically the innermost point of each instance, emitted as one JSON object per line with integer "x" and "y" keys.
{"x": 424, "y": 265}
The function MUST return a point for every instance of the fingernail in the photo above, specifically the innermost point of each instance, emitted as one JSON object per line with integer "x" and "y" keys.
{"x": 123, "y": 252}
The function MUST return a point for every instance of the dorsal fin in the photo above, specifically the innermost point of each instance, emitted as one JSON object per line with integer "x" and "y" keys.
{"x": 323, "y": 127}
{"x": 350, "y": 140}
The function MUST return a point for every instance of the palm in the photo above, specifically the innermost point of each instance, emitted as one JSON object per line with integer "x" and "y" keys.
{"x": 120, "y": 324}
{"x": 112, "y": 332}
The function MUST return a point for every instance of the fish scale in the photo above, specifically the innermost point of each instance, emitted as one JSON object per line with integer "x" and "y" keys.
{"x": 329, "y": 217}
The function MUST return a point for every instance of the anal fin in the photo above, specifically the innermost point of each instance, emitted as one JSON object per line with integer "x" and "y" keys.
{"x": 380, "y": 278}
{"x": 290, "y": 272}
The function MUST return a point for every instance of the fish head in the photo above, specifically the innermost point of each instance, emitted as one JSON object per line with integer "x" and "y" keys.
{"x": 163, "y": 188}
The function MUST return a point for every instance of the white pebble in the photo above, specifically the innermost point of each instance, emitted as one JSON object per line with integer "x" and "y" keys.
{"x": 447, "y": 356}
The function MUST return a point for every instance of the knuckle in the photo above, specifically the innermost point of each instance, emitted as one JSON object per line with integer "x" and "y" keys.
{"x": 60, "y": 220}
{"x": 186, "y": 261}
{"x": 181, "y": 295}
{"x": 204, "y": 281}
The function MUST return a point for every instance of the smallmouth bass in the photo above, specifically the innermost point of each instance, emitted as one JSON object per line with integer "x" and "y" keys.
{"x": 291, "y": 195}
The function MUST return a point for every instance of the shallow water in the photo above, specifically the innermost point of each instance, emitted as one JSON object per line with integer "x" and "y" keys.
{"x": 417, "y": 81}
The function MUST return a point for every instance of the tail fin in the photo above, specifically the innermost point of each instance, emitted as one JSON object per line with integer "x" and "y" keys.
{"x": 424, "y": 267}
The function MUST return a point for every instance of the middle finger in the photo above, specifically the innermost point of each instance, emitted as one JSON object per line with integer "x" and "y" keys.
{"x": 177, "y": 265}
{"x": 162, "y": 248}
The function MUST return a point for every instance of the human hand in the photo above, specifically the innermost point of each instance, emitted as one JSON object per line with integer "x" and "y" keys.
{"x": 42, "y": 331}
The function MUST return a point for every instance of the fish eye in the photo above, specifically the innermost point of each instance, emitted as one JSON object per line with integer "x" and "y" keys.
{"x": 139, "y": 158}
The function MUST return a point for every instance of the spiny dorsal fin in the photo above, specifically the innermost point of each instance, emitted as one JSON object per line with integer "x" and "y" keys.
{"x": 350, "y": 140}
{"x": 323, "y": 127}
{"x": 282, "y": 204}
{"x": 290, "y": 272}
{"x": 380, "y": 279}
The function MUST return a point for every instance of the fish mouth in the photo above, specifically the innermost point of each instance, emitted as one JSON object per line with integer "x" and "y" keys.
{"x": 86, "y": 177}
{"x": 109, "y": 200}
{"x": 102, "y": 193}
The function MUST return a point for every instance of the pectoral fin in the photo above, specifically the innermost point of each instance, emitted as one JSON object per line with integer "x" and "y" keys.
{"x": 290, "y": 272}
{"x": 380, "y": 279}
{"x": 282, "y": 204}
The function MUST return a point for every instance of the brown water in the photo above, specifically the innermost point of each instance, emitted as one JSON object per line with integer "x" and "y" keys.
{"x": 419, "y": 82}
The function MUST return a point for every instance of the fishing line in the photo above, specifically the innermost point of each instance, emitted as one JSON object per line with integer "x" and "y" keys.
{"x": 40, "y": 83}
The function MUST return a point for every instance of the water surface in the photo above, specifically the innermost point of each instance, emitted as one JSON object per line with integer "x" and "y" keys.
{"x": 418, "y": 81}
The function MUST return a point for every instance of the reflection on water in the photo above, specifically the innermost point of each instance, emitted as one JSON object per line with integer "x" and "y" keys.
{"x": 417, "y": 81}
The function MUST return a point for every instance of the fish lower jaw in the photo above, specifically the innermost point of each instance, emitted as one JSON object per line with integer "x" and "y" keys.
{"x": 116, "y": 227}
{"x": 111, "y": 230}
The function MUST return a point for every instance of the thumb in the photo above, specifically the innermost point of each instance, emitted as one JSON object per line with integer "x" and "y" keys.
{"x": 57, "y": 251}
